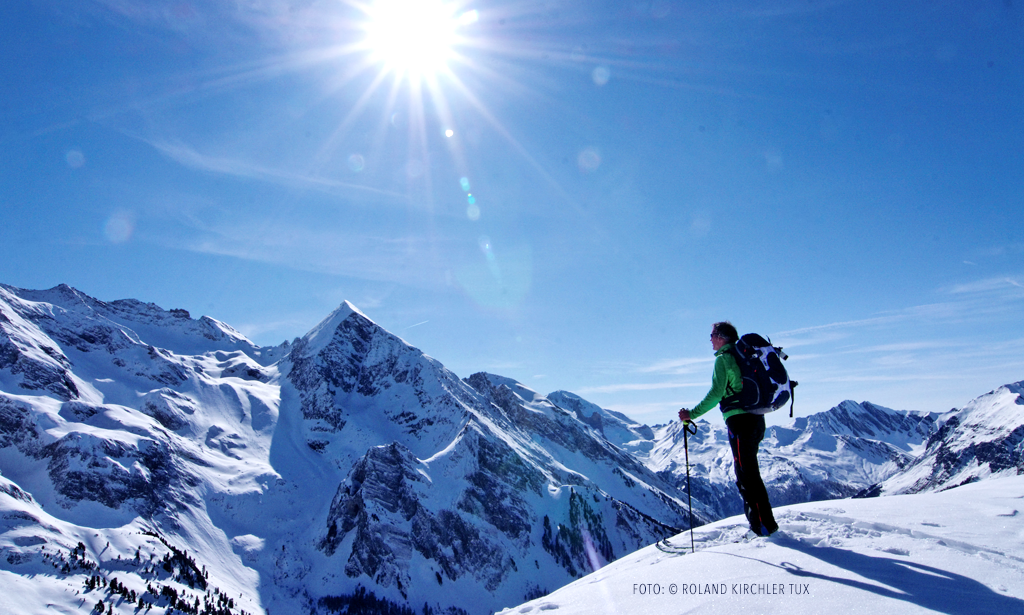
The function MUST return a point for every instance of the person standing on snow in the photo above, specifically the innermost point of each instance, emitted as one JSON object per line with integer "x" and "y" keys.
{"x": 746, "y": 429}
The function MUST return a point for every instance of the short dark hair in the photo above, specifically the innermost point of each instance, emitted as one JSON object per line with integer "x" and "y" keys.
{"x": 725, "y": 330}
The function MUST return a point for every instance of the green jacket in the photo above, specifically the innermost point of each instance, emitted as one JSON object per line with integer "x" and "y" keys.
{"x": 725, "y": 381}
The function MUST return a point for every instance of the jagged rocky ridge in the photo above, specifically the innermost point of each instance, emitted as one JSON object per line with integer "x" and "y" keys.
{"x": 348, "y": 471}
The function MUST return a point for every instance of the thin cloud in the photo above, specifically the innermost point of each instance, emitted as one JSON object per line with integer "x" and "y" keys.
{"x": 884, "y": 378}
{"x": 985, "y": 286}
{"x": 645, "y": 386}
{"x": 970, "y": 300}
{"x": 382, "y": 264}
{"x": 846, "y": 324}
{"x": 410, "y": 260}
{"x": 676, "y": 366}
{"x": 188, "y": 157}
{"x": 954, "y": 362}
{"x": 223, "y": 22}
{"x": 905, "y": 347}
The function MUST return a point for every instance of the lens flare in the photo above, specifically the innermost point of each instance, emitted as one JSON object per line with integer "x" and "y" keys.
{"x": 119, "y": 227}
{"x": 588, "y": 160}
{"x": 495, "y": 282}
{"x": 75, "y": 158}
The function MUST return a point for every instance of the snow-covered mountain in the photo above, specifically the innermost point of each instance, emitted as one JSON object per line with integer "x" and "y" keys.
{"x": 983, "y": 439}
{"x": 829, "y": 455}
{"x": 148, "y": 458}
{"x": 616, "y": 427}
{"x": 441, "y": 491}
{"x": 112, "y": 448}
{"x": 346, "y": 470}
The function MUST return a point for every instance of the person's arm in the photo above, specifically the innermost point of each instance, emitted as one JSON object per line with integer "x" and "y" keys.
{"x": 719, "y": 386}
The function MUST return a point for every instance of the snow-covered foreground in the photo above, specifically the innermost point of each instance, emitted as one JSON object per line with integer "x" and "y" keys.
{"x": 957, "y": 551}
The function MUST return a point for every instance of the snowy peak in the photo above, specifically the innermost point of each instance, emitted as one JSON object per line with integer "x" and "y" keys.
{"x": 995, "y": 412}
{"x": 512, "y": 396}
{"x": 113, "y": 422}
{"x": 321, "y": 335}
{"x": 358, "y": 385}
{"x": 61, "y": 295}
{"x": 493, "y": 381}
{"x": 984, "y": 438}
{"x": 465, "y": 477}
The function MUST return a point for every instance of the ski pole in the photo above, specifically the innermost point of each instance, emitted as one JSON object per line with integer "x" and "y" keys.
{"x": 689, "y": 497}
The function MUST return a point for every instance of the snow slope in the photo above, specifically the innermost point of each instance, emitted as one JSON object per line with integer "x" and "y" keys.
{"x": 957, "y": 551}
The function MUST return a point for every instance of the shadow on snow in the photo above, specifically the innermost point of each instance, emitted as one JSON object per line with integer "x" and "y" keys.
{"x": 925, "y": 586}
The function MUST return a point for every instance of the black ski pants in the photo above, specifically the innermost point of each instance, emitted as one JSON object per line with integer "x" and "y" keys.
{"x": 745, "y": 434}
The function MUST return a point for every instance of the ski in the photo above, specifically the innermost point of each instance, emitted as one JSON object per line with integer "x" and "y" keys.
{"x": 666, "y": 547}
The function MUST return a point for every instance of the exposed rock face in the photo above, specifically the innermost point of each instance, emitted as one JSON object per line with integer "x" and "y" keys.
{"x": 381, "y": 503}
{"x": 82, "y": 467}
{"x": 34, "y": 361}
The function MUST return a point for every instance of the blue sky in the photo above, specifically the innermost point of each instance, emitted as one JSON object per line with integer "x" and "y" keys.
{"x": 845, "y": 177}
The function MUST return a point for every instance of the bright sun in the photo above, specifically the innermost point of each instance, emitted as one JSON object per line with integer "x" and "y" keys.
{"x": 414, "y": 36}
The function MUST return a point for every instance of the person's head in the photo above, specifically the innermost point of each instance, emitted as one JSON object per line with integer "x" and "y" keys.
{"x": 723, "y": 333}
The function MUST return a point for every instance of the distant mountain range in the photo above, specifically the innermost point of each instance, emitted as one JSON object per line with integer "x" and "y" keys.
{"x": 149, "y": 458}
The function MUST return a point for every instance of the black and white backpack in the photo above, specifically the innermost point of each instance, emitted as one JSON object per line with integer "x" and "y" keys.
{"x": 766, "y": 385}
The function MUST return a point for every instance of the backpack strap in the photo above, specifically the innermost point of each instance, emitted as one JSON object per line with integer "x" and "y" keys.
{"x": 792, "y": 396}
{"x": 731, "y": 399}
